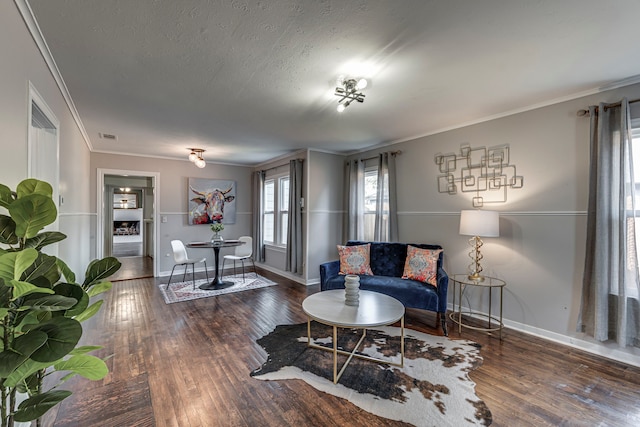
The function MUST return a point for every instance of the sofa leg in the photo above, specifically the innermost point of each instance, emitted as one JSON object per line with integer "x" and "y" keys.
{"x": 443, "y": 322}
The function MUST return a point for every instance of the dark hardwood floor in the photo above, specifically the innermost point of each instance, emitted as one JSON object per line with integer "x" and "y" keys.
{"x": 134, "y": 267}
{"x": 188, "y": 364}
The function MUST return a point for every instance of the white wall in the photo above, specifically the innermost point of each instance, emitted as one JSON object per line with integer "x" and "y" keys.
{"x": 174, "y": 200}
{"x": 22, "y": 63}
{"x": 540, "y": 251}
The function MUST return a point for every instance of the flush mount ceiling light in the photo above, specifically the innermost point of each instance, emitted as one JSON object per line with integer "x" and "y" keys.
{"x": 348, "y": 91}
{"x": 196, "y": 157}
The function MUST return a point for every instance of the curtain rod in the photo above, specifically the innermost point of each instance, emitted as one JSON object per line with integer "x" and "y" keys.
{"x": 393, "y": 153}
{"x": 585, "y": 113}
{"x": 279, "y": 166}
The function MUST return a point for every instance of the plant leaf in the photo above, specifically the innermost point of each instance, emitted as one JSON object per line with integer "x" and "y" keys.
{"x": 8, "y": 230}
{"x": 63, "y": 334}
{"x": 50, "y": 303}
{"x": 5, "y": 294}
{"x": 29, "y": 367}
{"x": 13, "y": 264}
{"x": 75, "y": 291}
{"x": 100, "y": 269}
{"x": 36, "y": 406}
{"x": 66, "y": 271}
{"x": 100, "y": 288}
{"x": 43, "y": 239}
{"x": 84, "y": 349}
{"x": 85, "y": 365}
{"x": 21, "y": 349}
{"x": 21, "y": 289}
{"x": 32, "y": 213}
{"x": 34, "y": 186}
{"x": 90, "y": 311}
{"x": 6, "y": 196}
{"x": 44, "y": 267}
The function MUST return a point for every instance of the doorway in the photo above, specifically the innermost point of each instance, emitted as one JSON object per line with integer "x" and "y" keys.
{"x": 127, "y": 221}
{"x": 43, "y": 143}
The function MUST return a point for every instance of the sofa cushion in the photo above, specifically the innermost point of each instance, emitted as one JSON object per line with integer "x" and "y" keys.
{"x": 411, "y": 293}
{"x": 421, "y": 265}
{"x": 354, "y": 259}
{"x": 387, "y": 259}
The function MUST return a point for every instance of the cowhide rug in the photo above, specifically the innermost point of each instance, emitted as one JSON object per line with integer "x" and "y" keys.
{"x": 432, "y": 389}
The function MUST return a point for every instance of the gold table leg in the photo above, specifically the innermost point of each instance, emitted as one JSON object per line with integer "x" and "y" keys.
{"x": 352, "y": 353}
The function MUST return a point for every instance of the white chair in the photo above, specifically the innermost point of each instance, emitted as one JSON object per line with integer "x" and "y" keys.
{"x": 181, "y": 258}
{"x": 241, "y": 253}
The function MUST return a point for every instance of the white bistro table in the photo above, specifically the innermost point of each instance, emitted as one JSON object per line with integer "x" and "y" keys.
{"x": 375, "y": 309}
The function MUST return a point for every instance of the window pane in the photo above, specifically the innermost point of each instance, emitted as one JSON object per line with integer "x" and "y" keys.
{"x": 269, "y": 196}
{"x": 284, "y": 194}
{"x": 268, "y": 227}
{"x": 370, "y": 191}
{"x": 285, "y": 220}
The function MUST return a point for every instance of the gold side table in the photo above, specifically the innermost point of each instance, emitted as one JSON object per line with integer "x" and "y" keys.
{"x": 460, "y": 284}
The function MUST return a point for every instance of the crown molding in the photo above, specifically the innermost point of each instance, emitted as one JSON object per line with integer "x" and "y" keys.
{"x": 34, "y": 29}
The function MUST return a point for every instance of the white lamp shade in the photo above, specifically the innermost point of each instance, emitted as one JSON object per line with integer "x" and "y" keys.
{"x": 479, "y": 223}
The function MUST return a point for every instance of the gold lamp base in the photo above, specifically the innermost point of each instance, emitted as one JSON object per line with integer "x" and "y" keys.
{"x": 475, "y": 243}
{"x": 476, "y": 277}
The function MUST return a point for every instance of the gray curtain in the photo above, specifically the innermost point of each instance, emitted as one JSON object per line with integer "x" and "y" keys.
{"x": 611, "y": 285}
{"x": 386, "y": 221}
{"x": 354, "y": 202}
{"x": 294, "y": 260}
{"x": 258, "y": 205}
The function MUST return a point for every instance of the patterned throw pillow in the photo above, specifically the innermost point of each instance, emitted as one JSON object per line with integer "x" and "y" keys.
{"x": 421, "y": 265}
{"x": 355, "y": 259}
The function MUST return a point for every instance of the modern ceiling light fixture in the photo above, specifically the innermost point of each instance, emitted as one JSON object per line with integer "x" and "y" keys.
{"x": 196, "y": 157}
{"x": 349, "y": 90}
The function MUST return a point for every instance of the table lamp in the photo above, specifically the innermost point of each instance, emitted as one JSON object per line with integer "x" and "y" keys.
{"x": 478, "y": 223}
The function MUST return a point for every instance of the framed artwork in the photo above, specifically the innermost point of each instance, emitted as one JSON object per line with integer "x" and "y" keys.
{"x": 125, "y": 201}
{"x": 211, "y": 200}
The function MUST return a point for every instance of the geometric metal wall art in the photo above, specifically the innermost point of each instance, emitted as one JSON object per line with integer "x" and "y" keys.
{"x": 484, "y": 171}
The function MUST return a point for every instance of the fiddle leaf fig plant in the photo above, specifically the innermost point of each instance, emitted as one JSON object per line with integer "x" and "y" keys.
{"x": 41, "y": 307}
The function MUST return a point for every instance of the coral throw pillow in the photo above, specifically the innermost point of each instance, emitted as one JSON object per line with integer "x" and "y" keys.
{"x": 422, "y": 265}
{"x": 355, "y": 259}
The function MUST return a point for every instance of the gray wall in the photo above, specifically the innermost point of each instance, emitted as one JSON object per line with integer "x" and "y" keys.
{"x": 325, "y": 210}
{"x": 22, "y": 63}
{"x": 174, "y": 195}
{"x": 540, "y": 251}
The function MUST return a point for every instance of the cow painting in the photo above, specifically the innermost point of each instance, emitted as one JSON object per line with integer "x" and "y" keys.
{"x": 207, "y": 202}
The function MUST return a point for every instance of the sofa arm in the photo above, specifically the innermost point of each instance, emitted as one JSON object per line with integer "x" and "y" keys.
{"x": 327, "y": 271}
{"x": 443, "y": 284}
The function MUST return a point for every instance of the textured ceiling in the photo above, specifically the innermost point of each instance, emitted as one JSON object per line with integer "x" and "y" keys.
{"x": 252, "y": 80}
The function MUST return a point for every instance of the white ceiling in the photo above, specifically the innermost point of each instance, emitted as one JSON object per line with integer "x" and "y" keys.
{"x": 249, "y": 81}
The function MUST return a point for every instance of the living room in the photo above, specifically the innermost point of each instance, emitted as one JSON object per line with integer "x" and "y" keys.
{"x": 539, "y": 253}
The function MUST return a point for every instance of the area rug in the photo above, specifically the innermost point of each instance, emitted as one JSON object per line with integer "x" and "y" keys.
{"x": 432, "y": 389}
{"x": 183, "y": 291}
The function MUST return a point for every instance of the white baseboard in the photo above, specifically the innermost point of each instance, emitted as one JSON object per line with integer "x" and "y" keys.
{"x": 610, "y": 352}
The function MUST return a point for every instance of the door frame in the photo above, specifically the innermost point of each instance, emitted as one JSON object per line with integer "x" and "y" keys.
{"x": 100, "y": 208}
{"x": 34, "y": 97}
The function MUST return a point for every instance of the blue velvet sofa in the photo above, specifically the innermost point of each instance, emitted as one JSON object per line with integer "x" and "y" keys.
{"x": 387, "y": 264}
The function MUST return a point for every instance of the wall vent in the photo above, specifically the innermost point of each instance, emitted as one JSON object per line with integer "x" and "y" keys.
{"x": 108, "y": 136}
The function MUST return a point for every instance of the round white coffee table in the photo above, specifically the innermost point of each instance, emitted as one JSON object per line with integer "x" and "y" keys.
{"x": 374, "y": 309}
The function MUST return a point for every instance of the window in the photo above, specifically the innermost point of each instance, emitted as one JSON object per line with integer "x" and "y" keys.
{"x": 276, "y": 211}
{"x": 269, "y": 211}
{"x": 370, "y": 200}
{"x": 633, "y": 224}
{"x": 284, "y": 209}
